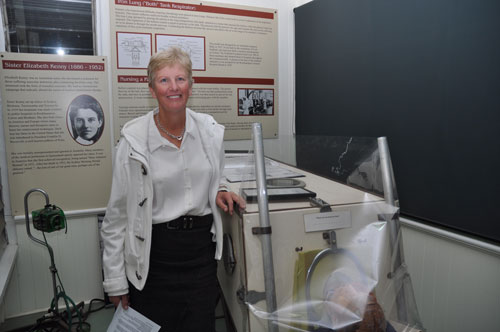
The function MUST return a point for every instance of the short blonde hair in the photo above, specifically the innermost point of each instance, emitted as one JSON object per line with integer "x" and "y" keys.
{"x": 169, "y": 57}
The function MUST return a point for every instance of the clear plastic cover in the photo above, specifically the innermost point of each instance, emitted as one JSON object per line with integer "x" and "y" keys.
{"x": 337, "y": 260}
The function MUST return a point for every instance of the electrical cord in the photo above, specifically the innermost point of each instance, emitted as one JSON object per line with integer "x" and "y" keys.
{"x": 67, "y": 300}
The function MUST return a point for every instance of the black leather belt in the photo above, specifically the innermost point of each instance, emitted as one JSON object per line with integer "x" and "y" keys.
{"x": 186, "y": 223}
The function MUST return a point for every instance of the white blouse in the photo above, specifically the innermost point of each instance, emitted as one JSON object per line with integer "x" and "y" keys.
{"x": 181, "y": 176}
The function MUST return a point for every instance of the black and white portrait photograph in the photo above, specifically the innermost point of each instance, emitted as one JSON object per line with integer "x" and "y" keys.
{"x": 85, "y": 120}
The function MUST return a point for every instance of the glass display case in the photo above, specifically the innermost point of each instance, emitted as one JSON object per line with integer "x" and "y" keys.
{"x": 328, "y": 255}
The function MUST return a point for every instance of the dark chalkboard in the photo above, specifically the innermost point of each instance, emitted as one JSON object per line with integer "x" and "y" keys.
{"x": 423, "y": 73}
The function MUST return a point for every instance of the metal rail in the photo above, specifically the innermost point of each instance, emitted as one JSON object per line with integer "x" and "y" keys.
{"x": 267, "y": 250}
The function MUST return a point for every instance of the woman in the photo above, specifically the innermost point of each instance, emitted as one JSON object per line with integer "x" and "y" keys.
{"x": 162, "y": 232}
{"x": 86, "y": 118}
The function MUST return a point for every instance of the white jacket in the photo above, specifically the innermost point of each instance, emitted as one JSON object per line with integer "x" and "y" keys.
{"x": 127, "y": 226}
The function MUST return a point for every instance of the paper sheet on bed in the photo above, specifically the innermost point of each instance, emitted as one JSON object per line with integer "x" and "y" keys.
{"x": 241, "y": 167}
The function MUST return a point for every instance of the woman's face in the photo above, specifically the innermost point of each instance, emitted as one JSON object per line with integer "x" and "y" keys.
{"x": 171, "y": 88}
{"x": 87, "y": 123}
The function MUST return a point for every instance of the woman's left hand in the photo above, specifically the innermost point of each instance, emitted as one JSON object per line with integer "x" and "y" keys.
{"x": 226, "y": 199}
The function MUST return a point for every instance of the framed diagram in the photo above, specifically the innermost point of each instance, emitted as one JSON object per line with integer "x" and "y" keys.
{"x": 193, "y": 45}
{"x": 134, "y": 50}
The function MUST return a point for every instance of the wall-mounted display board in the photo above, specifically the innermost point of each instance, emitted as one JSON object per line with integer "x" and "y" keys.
{"x": 424, "y": 73}
{"x": 234, "y": 51}
{"x": 57, "y": 129}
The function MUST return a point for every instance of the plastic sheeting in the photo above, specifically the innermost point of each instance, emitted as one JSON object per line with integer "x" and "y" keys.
{"x": 347, "y": 288}
{"x": 350, "y": 277}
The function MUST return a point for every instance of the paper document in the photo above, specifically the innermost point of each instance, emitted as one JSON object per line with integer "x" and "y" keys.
{"x": 241, "y": 168}
{"x": 131, "y": 321}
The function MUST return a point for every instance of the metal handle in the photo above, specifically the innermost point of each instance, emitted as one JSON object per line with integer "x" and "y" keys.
{"x": 52, "y": 267}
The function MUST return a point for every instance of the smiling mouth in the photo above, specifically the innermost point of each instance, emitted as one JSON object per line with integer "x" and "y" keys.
{"x": 174, "y": 97}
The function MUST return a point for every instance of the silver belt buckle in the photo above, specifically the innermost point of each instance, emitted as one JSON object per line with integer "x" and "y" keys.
{"x": 187, "y": 222}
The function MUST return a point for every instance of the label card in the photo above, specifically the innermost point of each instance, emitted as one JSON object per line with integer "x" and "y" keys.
{"x": 317, "y": 222}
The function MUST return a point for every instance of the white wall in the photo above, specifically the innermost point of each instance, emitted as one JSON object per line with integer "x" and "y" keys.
{"x": 77, "y": 259}
{"x": 455, "y": 280}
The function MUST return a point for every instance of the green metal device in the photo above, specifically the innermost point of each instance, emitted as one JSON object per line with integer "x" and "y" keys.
{"x": 49, "y": 219}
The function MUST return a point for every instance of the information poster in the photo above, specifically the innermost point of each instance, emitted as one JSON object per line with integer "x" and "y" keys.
{"x": 233, "y": 50}
{"x": 57, "y": 129}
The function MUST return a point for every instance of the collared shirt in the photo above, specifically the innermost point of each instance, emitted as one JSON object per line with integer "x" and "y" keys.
{"x": 181, "y": 176}
{"x": 83, "y": 141}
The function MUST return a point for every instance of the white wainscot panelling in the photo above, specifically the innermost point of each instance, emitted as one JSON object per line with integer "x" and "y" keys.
{"x": 457, "y": 286}
{"x": 77, "y": 259}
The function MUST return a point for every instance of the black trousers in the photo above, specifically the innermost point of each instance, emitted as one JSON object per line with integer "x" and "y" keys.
{"x": 181, "y": 288}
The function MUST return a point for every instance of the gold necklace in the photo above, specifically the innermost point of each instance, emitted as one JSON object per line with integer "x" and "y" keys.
{"x": 179, "y": 138}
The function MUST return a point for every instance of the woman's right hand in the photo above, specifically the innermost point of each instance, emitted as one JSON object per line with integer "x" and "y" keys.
{"x": 116, "y": 300}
